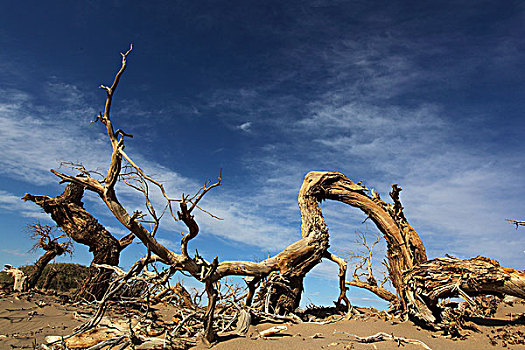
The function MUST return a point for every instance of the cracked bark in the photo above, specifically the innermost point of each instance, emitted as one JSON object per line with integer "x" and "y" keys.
{"x": 67, "y": 210}
{"x": 453, "y": 277}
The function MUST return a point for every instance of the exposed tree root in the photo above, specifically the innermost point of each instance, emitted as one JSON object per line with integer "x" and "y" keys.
{"x": 453, "y": 277}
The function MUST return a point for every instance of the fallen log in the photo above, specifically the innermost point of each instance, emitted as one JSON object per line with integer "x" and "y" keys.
{"x": 450, "y": 277}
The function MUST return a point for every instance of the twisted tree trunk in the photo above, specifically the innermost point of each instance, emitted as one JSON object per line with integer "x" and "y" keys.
{"x": 282, "y": 292}
{"x": 41, "y": 263}
{"x": 404, "y": 246}
{"x": 67, "y": 210}
{"x": 285, "y": 288}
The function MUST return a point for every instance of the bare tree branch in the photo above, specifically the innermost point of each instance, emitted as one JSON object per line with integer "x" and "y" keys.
{"x": 364, "y": 263}
{"x": 517, "y": 223}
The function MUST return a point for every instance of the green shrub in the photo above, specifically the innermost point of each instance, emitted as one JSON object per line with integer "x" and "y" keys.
{"x": 62, "y": 277}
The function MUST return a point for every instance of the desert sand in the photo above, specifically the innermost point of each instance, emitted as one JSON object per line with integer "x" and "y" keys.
{"x": 26, "y": 319}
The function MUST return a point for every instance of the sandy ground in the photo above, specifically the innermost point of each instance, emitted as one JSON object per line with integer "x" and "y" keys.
{"x": 314, "y": 336}
{"x": 26, "y": 320}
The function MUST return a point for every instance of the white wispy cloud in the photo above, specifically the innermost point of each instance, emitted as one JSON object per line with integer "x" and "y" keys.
{"x": 14, "y": 252}
{"x": 459, "y": 185}
{"x": 245, "y": 126}
{"x": 36, "y": 138}
{"x": 13, "y": 204}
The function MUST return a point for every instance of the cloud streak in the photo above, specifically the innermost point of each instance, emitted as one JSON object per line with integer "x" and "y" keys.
{"x": 35, "y": 137}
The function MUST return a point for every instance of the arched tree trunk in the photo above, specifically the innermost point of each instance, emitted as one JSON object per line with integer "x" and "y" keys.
{"x": 404, "y": 246}
{"x": 282, "y": 292}
{"x": 67, "y": 210}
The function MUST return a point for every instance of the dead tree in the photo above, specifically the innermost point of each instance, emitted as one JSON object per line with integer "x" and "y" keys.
{"x": 67, "y": 210}
{"x": 420, "y": 283}
{"x": 292, "y": 264}
{"x": 52, "y": 246}
{"x": 282, "y": 275}
{"x": 363, "y": 268}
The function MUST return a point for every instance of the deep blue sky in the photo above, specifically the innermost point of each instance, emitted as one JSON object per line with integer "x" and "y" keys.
{"x": 429, "y": 95}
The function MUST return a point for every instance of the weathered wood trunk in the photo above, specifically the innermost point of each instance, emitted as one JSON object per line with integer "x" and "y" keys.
{"x": 287, "y": 286}
{"x": 41, "y": 264}
{"x": 283, "y": 289}
{"x": 404, "y": 246}
{"x": 67, "y": 210}
{"x": 453, "y": 277}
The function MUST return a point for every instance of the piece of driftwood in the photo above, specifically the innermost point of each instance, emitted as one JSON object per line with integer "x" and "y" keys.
{"x": 272, "y": 331}
{"x": 243, "y": 322}
{"x": 382, "y": 336}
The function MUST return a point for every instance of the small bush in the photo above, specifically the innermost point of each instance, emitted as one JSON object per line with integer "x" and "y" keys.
{"x": 61, "y": 277}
